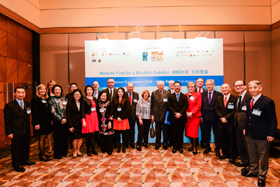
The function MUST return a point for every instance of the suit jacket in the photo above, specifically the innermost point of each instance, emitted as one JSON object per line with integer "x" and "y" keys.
{"x": 69, "y": 96}
{"x": 158, "y": 105}
{"x": 240, "y": 115}
{"x": 73, "y": 115}
{"x": 132, "y": 108}
{"x": 195, "y": 104}
{"x": 196, "y": 90}
{"x": 124, "y": 105}
{"x": 226, "y": 112}
{"x": 98, "y": 92}
{"x": 208, "y": 111}
{"x": 265, "y": 124}
{"x": 114, "y": 95}
{"x": 179, "y": 107}
{"x": 16, "y": 120}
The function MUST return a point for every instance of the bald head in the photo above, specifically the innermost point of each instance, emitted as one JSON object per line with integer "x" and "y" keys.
{"x": 130, "y": 87}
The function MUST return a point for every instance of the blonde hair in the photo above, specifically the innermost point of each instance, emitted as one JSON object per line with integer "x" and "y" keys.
{"x": 38, "y": 88}
{"x": 48, "y": 84}
{"x": 190, "y": 84}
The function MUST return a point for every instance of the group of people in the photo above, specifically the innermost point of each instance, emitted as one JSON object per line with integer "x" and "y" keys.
{"x": 243, "y": 124}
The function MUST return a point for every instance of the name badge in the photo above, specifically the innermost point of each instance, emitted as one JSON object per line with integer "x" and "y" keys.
{"x": 93, "y": 109}
{"x": 102, "y": 110}
{"x": 148, "y": 104}
{"x": 256, "y": 112}
{"x": 119, "y": 109}
{"x": 191, "y": 98}
{"x": 244, "y": 108}
{"x": 230, "y": 106}
{"x": 64, "y": 102}
{"x": 135, "y": 100}
{"x": 165, "y": 100}
{"x": 28, "y": 111}
{"x": 44, "y": 101}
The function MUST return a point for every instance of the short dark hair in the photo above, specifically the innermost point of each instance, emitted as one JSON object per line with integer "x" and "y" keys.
{"x": 77, "y": 90}
{"x": 88, "y": 86}
{"x": 57, "y": 86}
{"x": 177, "y": 82}
{"x": 73, "y": 83}
{"x": 102, "y": 92}
{"x": 18, "y": 87}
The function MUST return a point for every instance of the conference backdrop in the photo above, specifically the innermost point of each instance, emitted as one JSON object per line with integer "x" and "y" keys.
{"x": 145, "y": 62}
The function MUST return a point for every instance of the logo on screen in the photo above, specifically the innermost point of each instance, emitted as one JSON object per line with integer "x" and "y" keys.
{"x": 157, "y": 56}
{"x": 93, "y": 60}
{"x": 145, "y": 56}
{"x": 99, "y": 60}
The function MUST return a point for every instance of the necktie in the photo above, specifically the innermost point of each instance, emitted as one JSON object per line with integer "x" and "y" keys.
{"x": 177, "y": 96}
{"x": 199, "y": 90}
{"x": 239, "y": 102}
{"x": 95, "y": 95}
{"x": 225, "y": 101}
{"x": 161, "y": 94}
{"x": 130, "y": 100}
{"x": 209, "y": 98}
{"x": 21, "y": 105}
{"x": 252, "y": 103}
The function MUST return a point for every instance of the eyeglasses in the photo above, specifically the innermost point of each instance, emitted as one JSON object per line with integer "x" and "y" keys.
{"x": 239, "y": 85}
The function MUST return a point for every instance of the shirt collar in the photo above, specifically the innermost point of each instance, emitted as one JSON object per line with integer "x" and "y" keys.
{"x": 211, "y": 91}
{"x": 19, "y": 102}
{"x": 257, "y": 97}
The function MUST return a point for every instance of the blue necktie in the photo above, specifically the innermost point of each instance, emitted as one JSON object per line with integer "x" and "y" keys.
{"x": 210, "y": 98}
{"x": 177, "y": 96}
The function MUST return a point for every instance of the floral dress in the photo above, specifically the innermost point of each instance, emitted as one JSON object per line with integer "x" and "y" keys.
{"x": 104, "y": 116}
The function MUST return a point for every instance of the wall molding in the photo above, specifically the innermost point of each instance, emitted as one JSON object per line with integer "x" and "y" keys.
{"x": 275, "y": 25}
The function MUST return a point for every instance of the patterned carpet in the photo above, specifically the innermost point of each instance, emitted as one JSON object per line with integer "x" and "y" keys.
{"x": 147, "y": 168}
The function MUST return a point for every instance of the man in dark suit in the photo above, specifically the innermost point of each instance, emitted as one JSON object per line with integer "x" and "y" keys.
{"x": 239, "y": 123}
{"x": 17, "y": 127}
{"x": 169, "y": 135}
{"x": 199, "y": 89}
{"x": 210, "y": 118}
{"x": 177, "y": 104}
{"x": 96, "y": 92}
{"x": 225, "y": 110}
{"x": 159, "y": 101}
{"x": 260, "y": 131}
{"x": 133, "y": 98}
{"x": 73, "y": 86}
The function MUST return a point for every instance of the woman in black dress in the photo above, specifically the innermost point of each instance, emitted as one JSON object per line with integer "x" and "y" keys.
{"x": 73, "y": 113}
{"x": 41, "y": 119}
{"x": 105, "y": 111}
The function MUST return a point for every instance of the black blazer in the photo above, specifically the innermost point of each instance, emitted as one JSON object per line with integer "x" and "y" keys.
{"x": 240, "y": 115}
{"x": 180, "y": 107}
{"x": 132, "y": 108}
{"x": 208, "y": 111}
{"x": 226, "y": 112}
{"x": 73, "y": 116}
{"x": 114, "y": 95}
{"x": 16, "y": 120}
{"x": 123, "y": 114}
{"x": 158, "y": 106}
{"x": 86, "y": 106}
{"x": 69, "y": 96}
{"x": 98, "y": 92}
{"x": 259, "y": 127}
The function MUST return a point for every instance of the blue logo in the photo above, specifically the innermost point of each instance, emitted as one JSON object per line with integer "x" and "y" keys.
{"x": 93, "y": 60}
{"x": 177, "y": 55}
{"x": 145, "y": 56}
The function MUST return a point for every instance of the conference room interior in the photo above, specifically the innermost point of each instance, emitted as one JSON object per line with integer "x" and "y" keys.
{"x": 49, "y": 45}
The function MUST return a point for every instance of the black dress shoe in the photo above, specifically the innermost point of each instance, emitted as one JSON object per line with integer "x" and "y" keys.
{"x": 94, "y": 152}
{"x": 28, "y": 162}
{"x": 174, "y": 150}
{"x": 124, "y": 150}
{"x": 157, "y": 147}
{"x": 181, "y": 151}
{"x": 221, "y": 157}
{"x": 190, "y": 149}
{"x": 231, "y": 161}
{"x": 145, "y": 145}
{"x": 58, "y": 157}
{"x": 202, "y": 145}
{"x": 245, "y": 171}
{"x": 165, "y": 147}
{"x": 44, "y": 158}
{"x": 88, "y": 153}
{"x": 119, "y": 150}
{"x": 194, "y": 152}
{"x": 109, "y": 153}
{"x": 138, "y": 148}
{"x": 19, "y": 168}
{"x": 132, "y": 146}
{"x": 261, "y": 182}
{"x": 206, "y": 151}
{"x": 251, "y": 175}
{"x": 240, "y": 164}
{"x": 218, "y": 154}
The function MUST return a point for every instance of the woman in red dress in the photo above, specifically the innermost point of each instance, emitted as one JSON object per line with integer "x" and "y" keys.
{"x": 193, "y": 116}
{"x": 121, "y": 124}
{"x": 89, "y": 120}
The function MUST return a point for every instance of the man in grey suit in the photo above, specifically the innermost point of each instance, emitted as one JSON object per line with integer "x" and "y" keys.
{"x": 159, "y": 101}
{"x": 239, "y": 123}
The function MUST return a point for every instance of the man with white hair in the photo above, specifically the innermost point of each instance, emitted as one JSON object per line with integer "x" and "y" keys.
{"x": 159, "y": 101}
{"x": 96, "y": 92}
{"x": 260, "y": 131}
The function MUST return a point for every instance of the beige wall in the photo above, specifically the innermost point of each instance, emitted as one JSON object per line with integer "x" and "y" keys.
{"x": 275, "y": 10}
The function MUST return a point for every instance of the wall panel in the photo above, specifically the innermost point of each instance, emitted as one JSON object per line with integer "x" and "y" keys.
{"x": 173, "y": 35}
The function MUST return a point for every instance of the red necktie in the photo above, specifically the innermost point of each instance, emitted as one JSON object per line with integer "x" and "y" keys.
{"x": 252, "y": 103}
{"x": 130, "y": 99}
{"x": 225, "y": 101}
{"x": 199, "y": 90}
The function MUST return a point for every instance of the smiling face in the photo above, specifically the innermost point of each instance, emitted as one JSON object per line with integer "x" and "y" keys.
{"x": 111, "y": 83}
{"x": 73, "y": 87}
{"x": 89, "y": 91}
{"x": 42, "y": 91}
{"x": 120, "y": 93}
{"x": 130, "y": 87}
{"x": 103, "y": 96}
{"x": 77, "y": 95}
{"x": 239, "y": 86}
{"x": 210, "y": 85}
{"x": 160, "y": 86}
{"x": 57, "y": 91}
{"x": 199, "y": 83}
{"x": 20, "y": 94}
{"x": 254, "y": 89}
{"x": 177, "y": 87}
{"x": 225, "y": 88}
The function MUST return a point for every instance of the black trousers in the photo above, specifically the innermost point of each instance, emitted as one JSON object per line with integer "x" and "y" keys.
{"x": 207, "y": 129}
{"x": 177, "y": 130}
{"x": 143, "y": 131}
{"x": 60, "y": 139}
{"x": 131, "y": 131}
{"x": 118, "y": 136}
{"x": 242, "y": 145}
{"x": 202, "y": 141}
{"x": 161, "y": 126}
{"x": 106, "y": 143}
{"x": 227, "y": 140}
{"x": 20, "y": 149}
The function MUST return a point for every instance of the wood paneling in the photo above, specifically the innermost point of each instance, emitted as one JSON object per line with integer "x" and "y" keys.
{"x": 12, "y": 50}
{"x": 3, "y": 69}
{"x": 24, "y": 72}
{"x": 25, "y": 45}
{"x": 24, "y": 56}
{"x": 4, "y": 141}
{"x": 12, "y": 27}
{"x": 24, "y": 33}
{"x": 3, "y": 43}
{"x": 3, "y": 23}
{"x": 2, "y": 100}
{"x": 12, "y": 70}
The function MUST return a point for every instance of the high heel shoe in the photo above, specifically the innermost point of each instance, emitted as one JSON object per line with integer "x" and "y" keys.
{"x": 194, "y": 152}
{"x": 138, "y": 148}
{"x": 119, "y": 150}
{"x": 44, "y": 159}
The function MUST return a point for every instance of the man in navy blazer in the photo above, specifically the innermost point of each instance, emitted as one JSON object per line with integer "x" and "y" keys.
{"x": 210, "y": 118}
{"x": 260, "y": 131}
